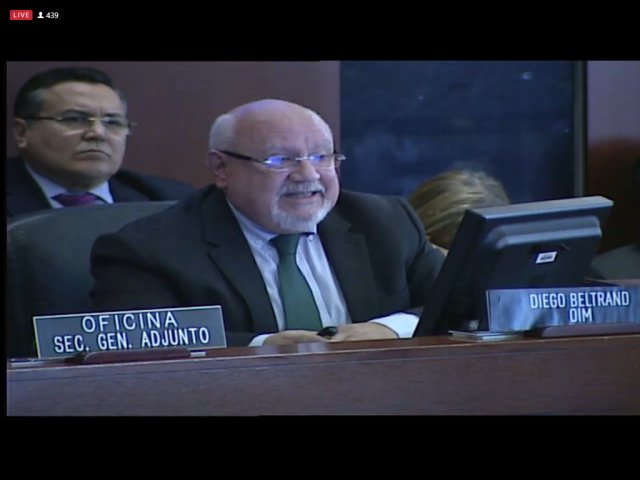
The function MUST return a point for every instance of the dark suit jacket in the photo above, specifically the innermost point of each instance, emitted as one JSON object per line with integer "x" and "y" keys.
{"x": 195, "y": 254}
{"x": 24, "y": 194}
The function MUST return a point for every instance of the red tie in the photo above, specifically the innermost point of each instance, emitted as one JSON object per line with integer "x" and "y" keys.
{"x": 75, "y": 199}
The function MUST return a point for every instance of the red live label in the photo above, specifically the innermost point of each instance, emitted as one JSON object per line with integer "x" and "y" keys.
{"x": 20, "y": 14}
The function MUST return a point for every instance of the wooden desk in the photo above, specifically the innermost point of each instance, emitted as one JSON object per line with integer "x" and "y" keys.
{"x": 434, "y": 375}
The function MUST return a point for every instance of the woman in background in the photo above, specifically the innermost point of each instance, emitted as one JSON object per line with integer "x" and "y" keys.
{"x": 442, "y": 200}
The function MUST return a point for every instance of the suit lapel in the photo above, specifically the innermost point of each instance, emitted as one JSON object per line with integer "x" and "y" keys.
{"x": 230, "y": 251}
{"x": 348, "y": 255}
{"x": 23, "y": 193}
{"x": 121, "y": 192}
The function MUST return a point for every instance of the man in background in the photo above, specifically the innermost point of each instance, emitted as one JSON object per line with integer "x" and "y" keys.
{"x": 275, "y": 241}
{"x": 71, "y": 129}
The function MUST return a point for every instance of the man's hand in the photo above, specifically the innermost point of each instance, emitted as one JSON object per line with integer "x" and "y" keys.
{"x": 288, "y": 337}
{"x": 363, "y": 331}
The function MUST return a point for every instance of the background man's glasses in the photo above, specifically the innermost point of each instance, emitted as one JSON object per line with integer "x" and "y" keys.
{"x": 81, "y": 122}
{"x": 323, "y": 161}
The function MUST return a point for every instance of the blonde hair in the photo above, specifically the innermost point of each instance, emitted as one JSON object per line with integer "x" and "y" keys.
{"x": 442, "y": 200}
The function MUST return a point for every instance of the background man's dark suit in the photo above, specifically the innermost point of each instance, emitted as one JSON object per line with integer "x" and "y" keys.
{"x": 24, "y": 194}
{"x": 196, "y": 254}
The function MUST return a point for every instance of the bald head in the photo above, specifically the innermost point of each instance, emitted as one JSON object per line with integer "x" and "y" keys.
{"x": 268, "y": 117}
{"x": 290, "y": 200}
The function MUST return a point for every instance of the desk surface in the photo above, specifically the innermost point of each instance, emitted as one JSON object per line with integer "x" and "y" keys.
{"x": 431, "y": 375}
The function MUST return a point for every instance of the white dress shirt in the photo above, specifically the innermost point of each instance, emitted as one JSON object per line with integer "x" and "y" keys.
{"x": 51, "y": 189}
{"x": 315, "y": 267}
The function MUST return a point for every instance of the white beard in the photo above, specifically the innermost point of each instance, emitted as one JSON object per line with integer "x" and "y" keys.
{"x": 288, "y": 222}
{"x": 293, "y": 223}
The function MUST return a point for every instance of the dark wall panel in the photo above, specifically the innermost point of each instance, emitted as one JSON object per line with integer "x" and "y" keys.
{"x": 404, "y": 121}
{"x": 613, "y": 94}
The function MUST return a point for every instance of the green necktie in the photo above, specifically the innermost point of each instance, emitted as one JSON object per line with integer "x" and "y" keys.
{"x": 300, "y": 310}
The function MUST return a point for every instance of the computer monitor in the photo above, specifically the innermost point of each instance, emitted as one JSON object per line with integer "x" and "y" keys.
{"x": 526, "y": 245}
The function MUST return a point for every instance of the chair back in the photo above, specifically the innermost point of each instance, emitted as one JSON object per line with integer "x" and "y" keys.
{"x": 48, "y": 262}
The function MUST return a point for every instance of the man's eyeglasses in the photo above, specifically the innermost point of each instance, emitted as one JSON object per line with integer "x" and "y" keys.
{"x": 80, "y": 121}
{"x": 322, "y": 161}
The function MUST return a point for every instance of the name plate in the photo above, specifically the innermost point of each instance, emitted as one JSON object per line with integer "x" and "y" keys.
{"x": 68, "y": 335}
{"x": 528, "y": 308}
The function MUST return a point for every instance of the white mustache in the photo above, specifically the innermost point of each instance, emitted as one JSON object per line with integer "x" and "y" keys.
{"x": 301, "y": 187}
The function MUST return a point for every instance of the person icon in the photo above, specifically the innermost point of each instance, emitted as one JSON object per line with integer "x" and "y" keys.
{"x": 40, "y": 15}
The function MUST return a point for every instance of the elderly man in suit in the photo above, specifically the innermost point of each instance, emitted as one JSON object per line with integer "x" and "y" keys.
{"x": 357, "y": 262}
